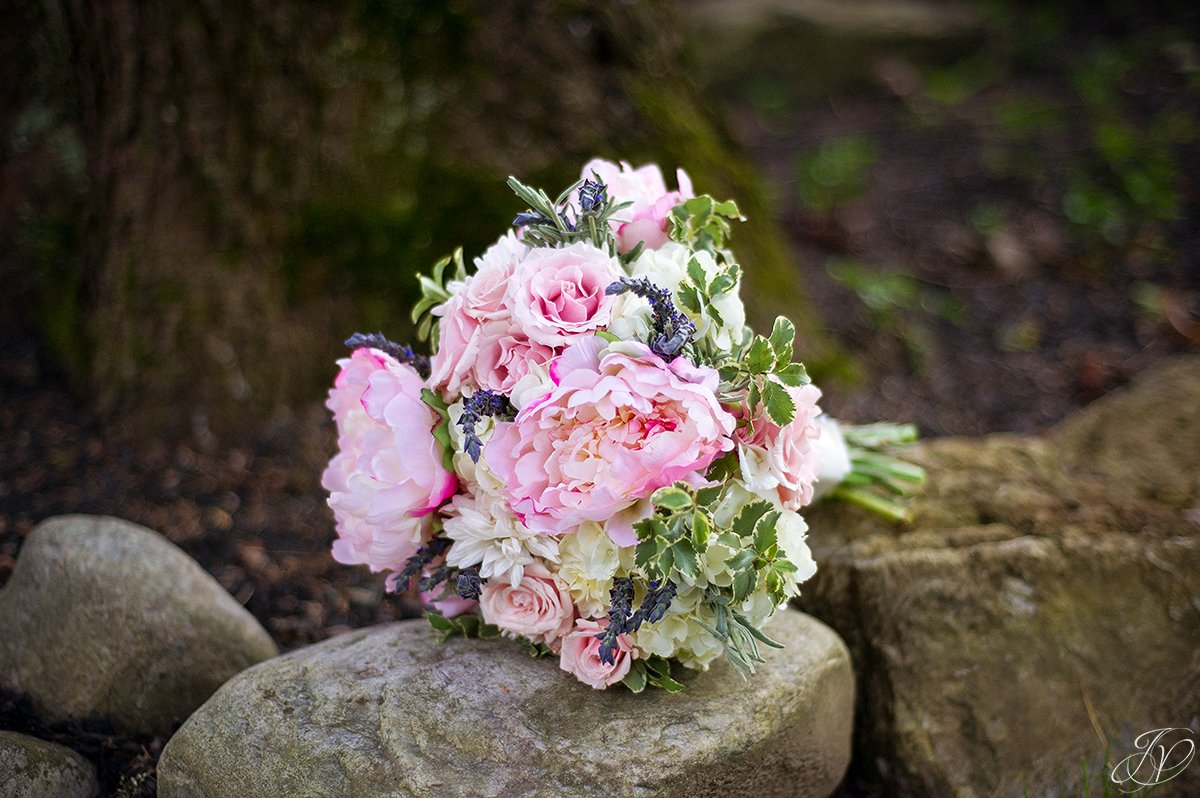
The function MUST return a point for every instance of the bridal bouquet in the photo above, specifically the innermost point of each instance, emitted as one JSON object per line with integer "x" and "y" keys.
{"x": 600, "y": 458}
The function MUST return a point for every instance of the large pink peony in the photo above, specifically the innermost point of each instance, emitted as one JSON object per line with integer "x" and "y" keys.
{"x": 647, "y": 220}
{"x": 387, "y": 476}
{"x": 619, "y": 424}
{"x": 781, "y": 462}
{"x": 580, "y": 655}
{"x": 537, "y": 608}
{"x": 557, "y": 295}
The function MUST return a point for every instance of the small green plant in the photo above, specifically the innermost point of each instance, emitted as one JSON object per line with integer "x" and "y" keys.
{"x": 836, "y": 173}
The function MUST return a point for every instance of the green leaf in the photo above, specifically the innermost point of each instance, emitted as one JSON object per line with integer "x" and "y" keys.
{"x": 706, "y": 497}
{"x": 720, "y": 284}
{"x": 793, "y": 374}
{"x": 782, "y": 335}
{"x": 696, "y": 272}
{"x": 635, "y": 680}
{"x": 650, "y": 528}
{"x": 607, "y": 336}
{"x": 701, "y": 529}
{"x": 728, "y": 373}
{"x": 744, "y": 583}
{"x": 439, "y": 622}
{"x": 780, "y": 406}
{"x": 666, "y": 561}
{"x": 743, "y": 560}
{"x": 689, "y": 297}
{"x": 685, "y": 559}
{"x": 764, "y": 532}
{"x": 761, "y": 357}
{"x": 671, "y": 498}
{"x": 646, "y": 557}
{"x": 784, "y": 565}
{"x": 747, "y": 517}
{"x": 666, "y": 683}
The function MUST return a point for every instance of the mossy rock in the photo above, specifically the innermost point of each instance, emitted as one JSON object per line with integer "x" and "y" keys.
{"x": 33, "y": 768}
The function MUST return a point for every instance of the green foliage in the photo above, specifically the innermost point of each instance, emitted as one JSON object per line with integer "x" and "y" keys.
{"x": 879, "y": 480}
{"x": 434, "y": 292}
{"x": 553, "y": 229}
{"x": 836, "y": 173}
{"x": 704, "y": 223}
{"x": 740, "y": 637}
{"x": 460, "y": 626}
{"x": 758, "y": 373}
{"x": 654, "y": 671}
{"x": 441, "y": 432}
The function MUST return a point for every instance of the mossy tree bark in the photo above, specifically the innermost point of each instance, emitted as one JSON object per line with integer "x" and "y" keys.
{"x": 264, "y": 179}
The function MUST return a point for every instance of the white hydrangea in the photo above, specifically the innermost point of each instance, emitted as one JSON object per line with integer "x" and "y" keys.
{"x": 588, "y": 562}
{"x": 678, "y": 633}
{"x": 486, "y": 533}
{"x": 666, "y": 267}
{"x": 791, "y": 532}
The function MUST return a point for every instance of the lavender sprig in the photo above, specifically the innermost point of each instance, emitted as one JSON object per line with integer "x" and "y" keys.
{"x": 468, "y": 584}
{"x": 592, "y": 195}
{"x": 416, "y": 564}
{"x": 475, "y": 408}
{"x": 402, "y": 352}
{"x": 672, "y": 328}
{"x": 623, "y": 620}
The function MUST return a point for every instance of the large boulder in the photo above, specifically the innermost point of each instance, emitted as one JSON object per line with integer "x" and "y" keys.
{"x": 33, "y": 768}
{"x": 388, "y": 711}
{"x": 105, "y": 618}
{"x": 1042, "y": 610}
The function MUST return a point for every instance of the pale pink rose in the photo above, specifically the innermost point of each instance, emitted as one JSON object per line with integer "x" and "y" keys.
{"x": 783, "y": 462}
{"x": 484, "y": 291}
{"x": 580, "y": 655}
{"x": 648, "y": 218}
{"x": 505, "y": 356}
{"x": 452, "y": 367}
{"x": 557, "y": 295}
{"x": 619, "y": 424}
{"x": 537, "y": 608}
{"x": 387, "y": 475}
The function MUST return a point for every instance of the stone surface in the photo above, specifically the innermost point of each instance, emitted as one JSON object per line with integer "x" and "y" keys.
{"x": 388, "y": 711}
{"x": 1145, "y": 437}
{"x": 33, "y": 768}
{"x": 105, "y": 617}
{"x": 1041, "y": 607}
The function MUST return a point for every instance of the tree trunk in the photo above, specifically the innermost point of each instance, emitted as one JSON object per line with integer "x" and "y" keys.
{"x": 265, "y": 178}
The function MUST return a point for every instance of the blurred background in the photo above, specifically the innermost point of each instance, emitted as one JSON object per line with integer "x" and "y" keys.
{"x": 980, "y": 214}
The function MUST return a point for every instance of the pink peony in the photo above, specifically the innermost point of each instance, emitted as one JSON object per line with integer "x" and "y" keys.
{"x": 505, "y": 356}
{"x": 782, "y": 462}
{"x": 557, "y": 295}
{"x": 619, "y": 424}
{"x": 648, "y": 218}
{"x": 387, "y": 475}
{"x": 580, "y": 655}
{"x": 537, "y": 608}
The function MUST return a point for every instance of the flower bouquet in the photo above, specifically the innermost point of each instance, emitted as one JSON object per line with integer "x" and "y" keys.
{"x": 600, "y": 458}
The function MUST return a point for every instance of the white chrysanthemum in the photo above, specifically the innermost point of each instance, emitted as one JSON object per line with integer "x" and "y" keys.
{"x": 666, "y": 267}
{"x": 589, "y": 560}
{"x": 486, "y": 533}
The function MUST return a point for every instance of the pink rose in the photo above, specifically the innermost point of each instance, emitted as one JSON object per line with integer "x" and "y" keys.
{"x": 580, "y": 655}
{"x": 619, "y": 424}
{"x": 485, "y": 290}
{"x": 387, "y": 475}
{"x": 537, "y": 608}
{"x": 505, "y": 356}
{"x": 782, "y": 462}
{"x": 647, "y": 219}
{"x": 557, "y": 295}
{"x": 452, "y": 367}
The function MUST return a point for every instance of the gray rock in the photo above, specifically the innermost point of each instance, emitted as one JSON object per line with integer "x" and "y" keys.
{"x": 33, "y": 768}
{"x": 1044, "y": 605}
{"x": 388, "y": 711}
{"x": 104, "y": 617}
